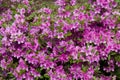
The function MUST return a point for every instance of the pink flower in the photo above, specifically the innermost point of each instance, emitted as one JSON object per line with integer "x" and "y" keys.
{"x": 60, "y": 2}
{"x": 22, "y": 65}
{"x": 73, "y": 2}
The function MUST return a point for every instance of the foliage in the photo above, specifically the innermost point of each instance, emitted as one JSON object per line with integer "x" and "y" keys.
{"x": 61, "y": 40}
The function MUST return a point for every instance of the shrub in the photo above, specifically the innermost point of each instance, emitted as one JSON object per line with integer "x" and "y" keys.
{"x": 63, "y": 41}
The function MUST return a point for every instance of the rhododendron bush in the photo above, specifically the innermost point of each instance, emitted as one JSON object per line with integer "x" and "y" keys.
{"x": 65, "y": 40}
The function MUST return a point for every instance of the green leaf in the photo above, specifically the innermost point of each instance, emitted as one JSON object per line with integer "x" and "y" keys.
{"x": 13, "y": 65}
{"x": 28, "y": 51}
{"x": 1, "y": 37}
{"x": 109, "y": 57}
{"x": 68, "y": 34}
{"x": 68, "y": 7}
{"x": 31, "y": 16}
{"x": 117, "y": 72}
{"x": 22, "y": 71}
{"x": 117, "y": 0}
{"x": 84, "y": 68}
{"x": 36, "y": 23}
{"x": 68, "y": 20}
{"x": 87, "y": 6}
{"x": 71, "y": 61}
{"x": 41, "y": 42}
{"x": 4, "y": 25}
{"x": 82, "y": 22}
{"x": 112, "y": 53}
{"x": 4, "y": 4}
{"x": 37, "y": 78}
{"x": 117, "y": 58}
{"x": 79, "y": 55}
{"x": 39, "y": 69}
{"x": 10, "y": 75}
{"x": 46, "y": 76}
{"x": 94, "y": 78}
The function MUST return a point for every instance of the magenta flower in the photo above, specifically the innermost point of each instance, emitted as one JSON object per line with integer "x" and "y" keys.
{"x": 21, "y": 66}
{"x": 73, "y": 2}
{"x": 63, "y": 41}
{"x": 60, "y": 2}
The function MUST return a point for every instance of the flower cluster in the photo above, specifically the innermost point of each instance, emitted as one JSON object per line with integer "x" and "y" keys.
{"x": 64, "y": 41}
